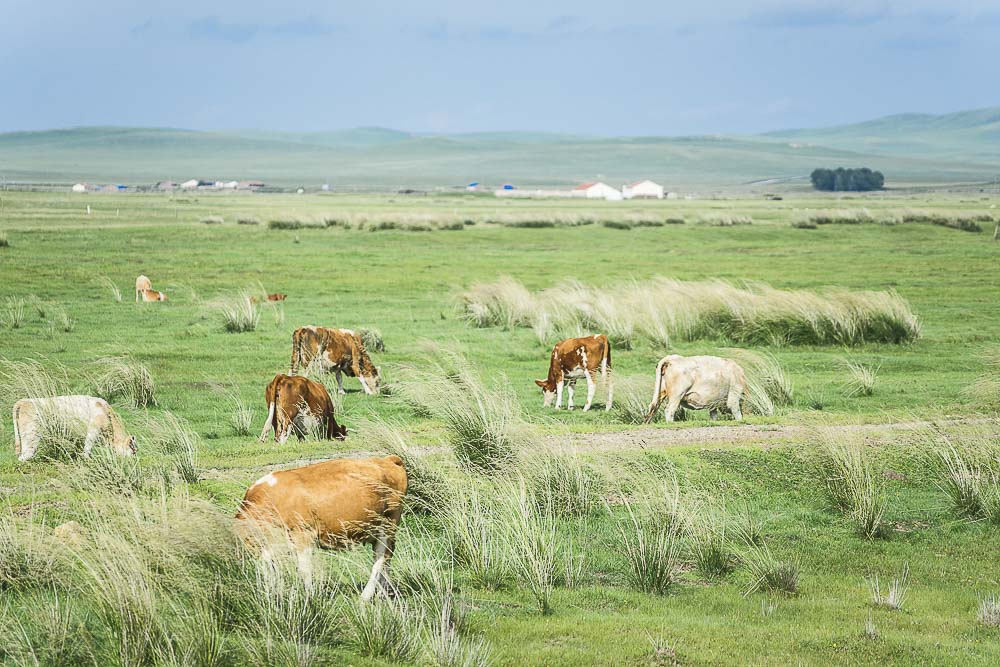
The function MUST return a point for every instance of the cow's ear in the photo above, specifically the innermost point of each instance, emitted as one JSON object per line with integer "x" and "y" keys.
{"x": 540, "y": 383}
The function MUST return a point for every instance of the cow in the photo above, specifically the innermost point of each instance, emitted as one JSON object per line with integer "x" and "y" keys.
{"x": 141, "y": 285}
{"x": 101, "y": 422}
{"x": 338, "y": 350}
{"x": 270, "y": 297}
{"x": 698, "y": 383}
{"x": 330, "y": 504}
{"x": 572, "y": 359}
{"x": 297, "y": 402}
{"x": 153, "y": 295}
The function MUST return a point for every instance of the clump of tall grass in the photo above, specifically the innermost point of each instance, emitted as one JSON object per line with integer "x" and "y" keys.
{"x": 118, "y": 378}
{"x": 247, "y": 220}
{"x": 371, "y": 338}
{"x": 239, "y": 312}
{"x": 384, "y": 628}
{"x": 240, "y": 416}
{"x": 531, "y": 519}
{"x": 446, "y": 648}
{"x": 986, "y": 388}
{"x": 174, "y": 439}
{"x": 662, "y": 309}
{"x": 862, "y": 380}
{"x": 649, "y": 541}
{"x": 724, "y": 219}
{"x": 28, "y": 556}
{"x": 212, "y": 220}
{"x": 855, "y": 487}
{"x": 47, "y": 630}
{"x": 427, "y": 489}
{"x": 765, "y": 372}
{"x": 485, "y": 425}
{"x": 989, "y": 611}
{"x": 116, "y": 292}
{"x": 842, "y": 216}
{"x": 971, "y": 475}
{"x": 13, "y": 312}
{"x": 895, "y": 595}
{"x": 768, "y": 572}
{"x": 571, "y": 487}
{"x": 479, "y": 537}
{"x": 713, "y": 556}
{"x": 110, "y": 472}
{"x": 631, "y": 404}
{"x": 4, "y": 240}
{"x": 295, "y": 224}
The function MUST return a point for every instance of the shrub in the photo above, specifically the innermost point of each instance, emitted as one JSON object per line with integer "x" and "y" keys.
{"x": 212, "y": 220}
{"x": 372, "y": 339}
{"x": 895, "y": 595}
{"x": 840, "y": 179}
{"x": 855, "y": 487}
{"x": 125, "y": 379}
{"x": 617, "y": 224}
{"x": 862, "y": 378}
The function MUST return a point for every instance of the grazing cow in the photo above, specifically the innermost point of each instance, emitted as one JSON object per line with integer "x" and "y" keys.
{"x": 572, "y": 359}
{"x": 30, "y": 416}
{"x": 332, "y": 504}
{"x": 141, "y": 285}
{"x": 698, "y": 383}
{"x": 297, "y": 402}
{"x": 338, "y": 350}
{"x": 153, "y": 295}
{"x": 278, "y": 296}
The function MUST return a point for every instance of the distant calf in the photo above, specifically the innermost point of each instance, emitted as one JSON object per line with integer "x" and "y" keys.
{"x": 698, "y": 383}
{"x": 295, "y": 402}
{"x": 338, "y": 350}
{"x": 270, "y": 297}
{"x": 141, "y": 285}
{"x": 572, "y": 359}
{"x": 330, "y": 504}
{"x": 153, "y": 295}
{"x": 31, "y": 416}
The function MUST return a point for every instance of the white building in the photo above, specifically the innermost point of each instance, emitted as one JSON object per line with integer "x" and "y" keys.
{"x": 597, "y": 190}
{"x": 190, "y": 185}
{"x": 644, "y": 189}
{"x": 80, "y": 187}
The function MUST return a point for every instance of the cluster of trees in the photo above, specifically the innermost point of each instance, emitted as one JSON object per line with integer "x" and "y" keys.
{"x": 851, "y": 180}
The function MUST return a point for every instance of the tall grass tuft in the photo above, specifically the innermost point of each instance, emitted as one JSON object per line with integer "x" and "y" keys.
{"x": 175, "y": 440}
{"x": 862, "y": 378}
{"x": 125, "y": 379}
{"x": 116, "y": 293}
{"x": 13, "y": 313}
{"x": 855, "y": 487}
{"x": 989, "y": 611}
{"x": 663, "y": 309}
{"x": 571, "y": 487}
{"x": 769, "y": 573}
{"x": 971, "y": 475}
{"x": 649, "y": 542}
{"x": 239, "y": 313}
{"x": 427, "y": 489}
{"x": 485, "y": 425}
{"x": 532, "y": 521}
{"x": 631, "y": 404}
{"x": 372, "y": 339}
{"x": 4, "y": 240}
{"x": 240, "y": 416}
{"x": 479, "y": 537}
{"x": 767, "y": 375}
{"x": 895, "y": 595}
{"x": 28, "y": 557}
{"x": 384, "y": 628}
{"x": 986, "y": 389}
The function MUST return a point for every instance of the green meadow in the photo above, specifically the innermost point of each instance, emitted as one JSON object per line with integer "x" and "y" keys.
{"x": 399, "y": 265}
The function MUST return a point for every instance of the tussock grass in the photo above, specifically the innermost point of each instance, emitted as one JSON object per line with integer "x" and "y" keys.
{"x": 240, "y": 416}
{"x": 116, "y": 293}
{"x": 766, "y": 373}
{"x": 4, "y": 240}
{"x": 371, "y": 338}
{"x": 384, "y": 628}
{"x": 427, "y": 488}
{"x": 855, "y": 487}
{"x": 986, "y": 389}
{"x": 13, "y": 312}
{"x": 989, "y": 611}
{"x": 175, "y": 440}
{"x": 769, "y": 573}
{"x": 649, "y": 542}
{"x": 570, "y": 486}
{"x": 841, "y": 216}
{"x": 663, "y": 309}
{"x": 632, "y": 400}
{"x": 862, "y": 378}
{"x": 125, "y": 380}
{"x": 723, "y": 219}
{"x": 485, "y": 425}
{"x": 895, "y": 595}
{"x": 479, "y": 537}
{"x": 29, "y": 558}
{"x": 247, "y": 220}
{"x": 48, "y": 630}
{"x": 713, "y": 555}
{"x": 970, "y": 472}
{"x": 239, "y": 313}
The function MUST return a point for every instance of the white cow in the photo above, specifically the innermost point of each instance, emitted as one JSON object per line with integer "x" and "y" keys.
{"x": 141, "y": 285}
{"x": 95, "y": 414}
{"x": 698, "y": 383}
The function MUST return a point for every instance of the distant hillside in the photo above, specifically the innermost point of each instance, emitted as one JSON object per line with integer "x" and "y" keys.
{"x": 909, "y": 148}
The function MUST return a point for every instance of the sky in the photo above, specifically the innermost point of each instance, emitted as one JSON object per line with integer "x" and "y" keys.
{"x": 619, "y": 69}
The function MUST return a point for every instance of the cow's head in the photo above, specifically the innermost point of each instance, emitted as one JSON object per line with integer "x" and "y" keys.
{"x": 548, "y": 392}
{"x": 372, "y": 383}
{"x": 133, "y": 446}
{"x": 340, "y": 432}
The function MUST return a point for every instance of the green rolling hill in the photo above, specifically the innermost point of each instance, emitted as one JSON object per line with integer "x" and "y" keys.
{"x": 909, "y": 149}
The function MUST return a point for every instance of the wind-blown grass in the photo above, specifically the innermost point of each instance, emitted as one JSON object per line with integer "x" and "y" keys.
{"x": 117, "y": 378}
{"x": 970, "y": 471}
{"x": 648, "y": 540}
{"x": 862, "y": 380}
{"x": 663, "y": 309}
{"x": 855, "y": 487}
{"x": 239, "y": 312}
{"x": 895, "y": 596}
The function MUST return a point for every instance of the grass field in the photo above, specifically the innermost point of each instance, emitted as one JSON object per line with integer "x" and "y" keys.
{"x": 61, "y": 263}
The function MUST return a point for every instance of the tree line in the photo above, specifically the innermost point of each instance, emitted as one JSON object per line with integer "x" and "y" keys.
{"x": 847, "y": 180}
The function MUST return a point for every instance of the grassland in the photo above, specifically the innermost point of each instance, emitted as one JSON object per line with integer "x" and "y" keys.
{"x": 60, "y": 261}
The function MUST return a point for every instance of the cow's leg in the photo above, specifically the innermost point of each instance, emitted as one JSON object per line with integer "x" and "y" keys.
{"x": 733, "y": 401}
{"x": 269, "y": 424}
{"x": 591, "y": 388}
{"x": 379, "y": 548}
{"x": 713, "y": 413}
{"x": 559, "y": 388}
{"x": 93, "y": 433}
{"x": 611, "y": 391}
{"x": 673, "y": 403}
{"x": 570, "y": 388}
{"x": 284, "y": 428}
{"x": 29, "y": 442}
{"x": 340, "y": 382}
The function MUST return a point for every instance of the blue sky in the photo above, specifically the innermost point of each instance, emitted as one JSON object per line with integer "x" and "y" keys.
{"x": 631, "y": 68}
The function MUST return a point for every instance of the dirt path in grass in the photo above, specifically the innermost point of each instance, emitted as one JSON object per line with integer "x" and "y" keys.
{"x": 743, "y": 435}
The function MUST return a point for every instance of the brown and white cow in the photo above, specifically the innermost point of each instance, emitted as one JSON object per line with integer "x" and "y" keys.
{"x": 698, "y": 383}
{"x": 295, "y": 402}
{"x": 572, "y": 359}
{"x": 141, "y": 285}
{"x": 153, "y": 295}
{"x": 338, "y": 350}
{"x": 277, "y": 296}
{"x": 330, "y": 504}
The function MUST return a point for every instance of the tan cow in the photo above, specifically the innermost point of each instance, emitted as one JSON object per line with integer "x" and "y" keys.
{"x": 338, "y": 350}
{"x": 572, "y": 359}
{"x": 698, "y": 383}
{"x": 295, "y": 402}
{"x": 153, "y": 295}
{"x": 30, "y": 416}
{"x": 278, "y": 296}
{"x": 141, "y": 285}
{"x": 330, "y": 504}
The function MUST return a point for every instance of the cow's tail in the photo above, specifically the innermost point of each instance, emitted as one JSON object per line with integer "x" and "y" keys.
{"x": 661, "y": 366}
{"x": 15, "y": 414}
{"x": 296, "y": 351}
{"x": 269, "y": 423}
{"x": 607, "y": 374}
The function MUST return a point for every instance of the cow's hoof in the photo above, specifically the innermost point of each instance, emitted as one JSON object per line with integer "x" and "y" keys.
{"x": 341, "y": 391}
{"x": 569, "y": 407}
{"x": 586, "y": 408}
